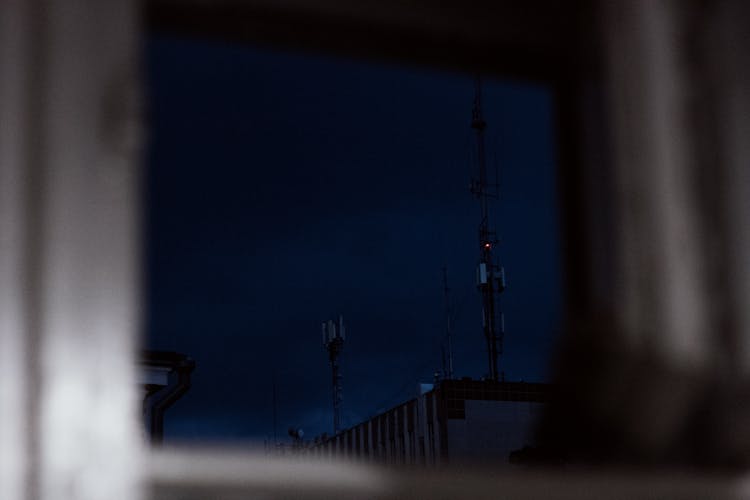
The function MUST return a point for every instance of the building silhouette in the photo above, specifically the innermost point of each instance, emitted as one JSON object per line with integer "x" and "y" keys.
{"x": 451, "y": 421}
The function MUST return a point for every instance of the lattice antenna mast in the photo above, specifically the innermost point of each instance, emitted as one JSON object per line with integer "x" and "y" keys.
{"x": 490, "y": 276}
{"x": 333, "y": 340}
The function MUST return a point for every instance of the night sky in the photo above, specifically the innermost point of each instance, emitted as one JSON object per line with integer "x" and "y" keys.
{"x": 284, "y": 189}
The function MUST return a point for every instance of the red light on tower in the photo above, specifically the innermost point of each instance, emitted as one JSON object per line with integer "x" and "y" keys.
{"x": 487, "y": 246}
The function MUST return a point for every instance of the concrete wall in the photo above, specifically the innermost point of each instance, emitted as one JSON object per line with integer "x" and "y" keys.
{"x": 422, "y": 432}
{"x": 492, "y": 429}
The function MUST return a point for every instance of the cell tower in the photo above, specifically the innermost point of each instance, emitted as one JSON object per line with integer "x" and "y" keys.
{"x": 490, "y": 276}
{"x": 333, "y": 340}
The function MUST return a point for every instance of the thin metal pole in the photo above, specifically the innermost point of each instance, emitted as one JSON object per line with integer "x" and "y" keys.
{"x": 448, "y": 326}
{"x": 275, "y": 412}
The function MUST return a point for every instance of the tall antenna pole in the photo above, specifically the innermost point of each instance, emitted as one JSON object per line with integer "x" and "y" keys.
{"x": 448, "y": 323}
{"x": 490, "y": 277}
{"x": 333, "y": 340}
{"x": 275, "y": 438}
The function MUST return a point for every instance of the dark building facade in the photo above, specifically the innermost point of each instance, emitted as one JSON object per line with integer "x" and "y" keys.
{"x": 449, "y": 421}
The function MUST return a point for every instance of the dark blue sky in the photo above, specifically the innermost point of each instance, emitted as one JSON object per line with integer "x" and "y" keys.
{"x": 286, "y": 188}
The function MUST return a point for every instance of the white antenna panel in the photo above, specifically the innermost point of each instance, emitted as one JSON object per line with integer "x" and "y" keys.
{"x": 482, "y": 274}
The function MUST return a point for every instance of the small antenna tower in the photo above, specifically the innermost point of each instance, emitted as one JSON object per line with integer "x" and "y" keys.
{"x": 333, "y": 340}
{"x": 490, "y": 276}
{"x": 446, "y": 290}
